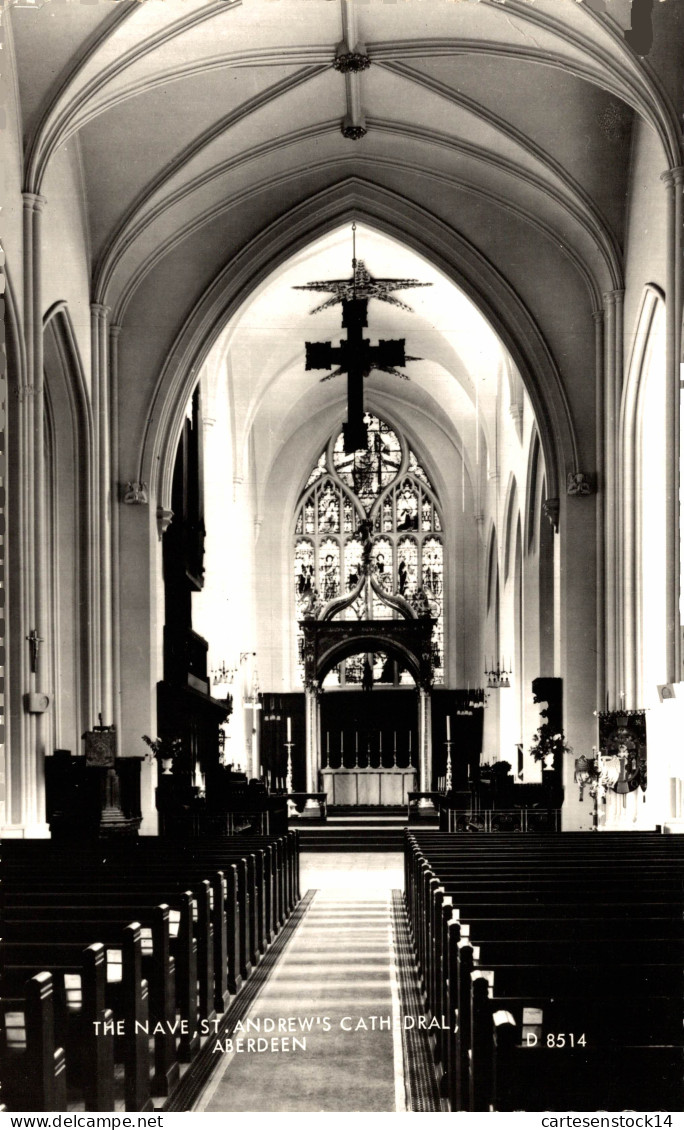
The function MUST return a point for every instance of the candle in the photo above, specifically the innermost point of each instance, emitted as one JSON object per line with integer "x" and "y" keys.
{"x": 356, "y": 741}
{"x": 289, "y": 729}
{"x": 381, "y": 741}
{"x": 409, "y": 741}
{"x": 327, "y": 741}
{"x": 341, "y": 741}
{"x": 448, "y": 724}
{"x": 395, "y": 741}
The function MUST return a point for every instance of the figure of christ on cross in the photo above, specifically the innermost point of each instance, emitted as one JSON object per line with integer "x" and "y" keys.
{"x": 357, "y": 357}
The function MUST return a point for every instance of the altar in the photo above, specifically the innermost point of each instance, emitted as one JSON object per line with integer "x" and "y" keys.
{"x": 380, "y": 786}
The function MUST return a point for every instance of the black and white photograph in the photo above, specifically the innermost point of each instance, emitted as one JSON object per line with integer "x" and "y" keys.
{"x": 342, "y": 679}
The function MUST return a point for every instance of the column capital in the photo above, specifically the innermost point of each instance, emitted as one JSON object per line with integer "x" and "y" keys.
{"x": 597, "y": 315}
{"x": 612, "y": 297}
{"x": 99, "y": 309}
{"x": 672, "y": 177}
{"x": 115, "y": 330}
{"x": 33, "y": 201}
{"x": 164, "y": 519}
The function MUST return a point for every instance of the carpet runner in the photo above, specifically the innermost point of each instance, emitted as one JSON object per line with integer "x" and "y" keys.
{"x": 327, "y": 1029}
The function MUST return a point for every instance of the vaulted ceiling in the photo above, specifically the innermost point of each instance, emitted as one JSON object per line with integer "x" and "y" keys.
{"x": 497, "y": 143}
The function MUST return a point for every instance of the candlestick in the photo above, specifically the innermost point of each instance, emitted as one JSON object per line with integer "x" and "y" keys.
{"x": 289, "y": 785}
{"x": 448, "y": 781}
{"x": 289, "y": 729}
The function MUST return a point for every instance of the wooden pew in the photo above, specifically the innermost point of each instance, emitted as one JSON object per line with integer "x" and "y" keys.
{"x": 34, "y": 1075}
{"x": 488, "y": 881}
{"x": 66, "y": 898}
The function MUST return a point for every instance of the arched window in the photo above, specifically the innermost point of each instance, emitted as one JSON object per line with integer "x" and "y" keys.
{"x": 385, "y": 484}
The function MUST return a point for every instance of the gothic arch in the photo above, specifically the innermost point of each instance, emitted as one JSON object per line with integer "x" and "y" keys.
{"x": 69, "y": 480}
{"x": 511, "y": 516}
{"x": 633, "y": 460}
{"x": 356, "y": 199}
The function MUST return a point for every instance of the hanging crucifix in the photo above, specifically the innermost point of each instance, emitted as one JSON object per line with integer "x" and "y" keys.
{"x": 356, "y": 356}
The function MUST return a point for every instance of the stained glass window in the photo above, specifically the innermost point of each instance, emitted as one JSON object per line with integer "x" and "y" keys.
{"x": 386, "y": 483}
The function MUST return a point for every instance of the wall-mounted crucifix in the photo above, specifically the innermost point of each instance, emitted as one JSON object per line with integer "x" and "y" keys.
{"x": 356, "y": 356}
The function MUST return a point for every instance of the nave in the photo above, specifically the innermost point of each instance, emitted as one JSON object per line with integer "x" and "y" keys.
{"x": 471, "y": 973}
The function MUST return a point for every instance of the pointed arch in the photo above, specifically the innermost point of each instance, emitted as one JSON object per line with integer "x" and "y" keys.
{"x": 511, "y": 517}
{"x": 70, "y": 500}
{"x": 401, "y": 219}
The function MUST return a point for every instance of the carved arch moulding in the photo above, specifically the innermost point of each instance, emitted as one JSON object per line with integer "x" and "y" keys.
{"x": 399, "y": 219}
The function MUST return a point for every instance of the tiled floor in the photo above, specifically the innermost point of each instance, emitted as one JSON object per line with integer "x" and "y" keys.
{"x": 352, "y": 871}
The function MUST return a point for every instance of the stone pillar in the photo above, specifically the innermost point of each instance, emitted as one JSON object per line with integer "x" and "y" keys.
{"x": 674, "y": 182}
{"x": 28, "y": 793}
{"x": 114, "y": 332}
{"x": 425, "y": 740}
{"x": 101, "y": 415}
{"x": 312, "y": 753}
{"x": 613, "y": 305}
{"x": 598, "y": 317}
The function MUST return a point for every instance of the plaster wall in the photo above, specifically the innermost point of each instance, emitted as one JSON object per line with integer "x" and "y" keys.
{"x": 66, "y": 252}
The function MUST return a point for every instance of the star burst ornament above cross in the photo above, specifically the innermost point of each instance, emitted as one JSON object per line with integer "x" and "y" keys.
{"x": 356, "y": 356}
{"x": 361, "y": 285}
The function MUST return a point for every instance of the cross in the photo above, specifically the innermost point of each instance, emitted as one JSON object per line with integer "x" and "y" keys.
{"x": 355, "y": 356}
{"x": 34, "y": 641}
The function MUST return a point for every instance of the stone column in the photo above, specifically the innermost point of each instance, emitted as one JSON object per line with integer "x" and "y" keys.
{"x": 101, "y": 414}
{"x": 613, "y": 304}
{"x": 600, "y": 511}
{"x": 114, "y": 332}
{"x": 425, "y": 740}
{"x": 35, "y": 625}
{"x": 311, "y": 707}
{"x": 674, "y": 182}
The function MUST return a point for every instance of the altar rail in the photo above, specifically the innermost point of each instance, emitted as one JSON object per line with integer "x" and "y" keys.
{"x": 506, "y": 820}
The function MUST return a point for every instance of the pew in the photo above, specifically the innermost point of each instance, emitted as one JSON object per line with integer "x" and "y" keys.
{"x": 503, "y": 932}
{"x": 34, "y": 1076}
{"x": 176, "y": 932}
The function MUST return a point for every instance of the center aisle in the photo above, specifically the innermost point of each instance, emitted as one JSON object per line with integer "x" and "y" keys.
{"x": 334, "y": 990}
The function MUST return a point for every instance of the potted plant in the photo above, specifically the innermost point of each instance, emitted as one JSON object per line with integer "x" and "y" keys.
{"x": 167, "y": 752}
{"x": 548, "y": 747}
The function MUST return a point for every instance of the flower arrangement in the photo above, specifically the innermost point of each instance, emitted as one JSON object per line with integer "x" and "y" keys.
{"x": 164, "y": 749}
{"x": 546, "y": 746}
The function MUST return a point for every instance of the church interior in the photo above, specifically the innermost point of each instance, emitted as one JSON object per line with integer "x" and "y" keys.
{"x": 343, "y": 660}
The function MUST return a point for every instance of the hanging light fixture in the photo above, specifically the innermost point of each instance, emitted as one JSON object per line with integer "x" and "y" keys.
{"x": 498, "y": 677}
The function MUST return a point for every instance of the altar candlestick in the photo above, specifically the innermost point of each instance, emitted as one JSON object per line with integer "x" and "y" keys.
{"x": 289, "y": 729}
{"x": 448, "y": 727}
